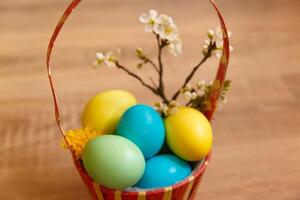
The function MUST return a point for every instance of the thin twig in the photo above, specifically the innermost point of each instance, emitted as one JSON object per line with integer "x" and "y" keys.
{"x": 119, "y": 66}
{"x": 153, "y": 64}
{"x": 189, "y": 103}
{"x": 161, "y": 87}
{"x": 153, "y": 82}
{"x": 190, "y": 76}
{"x": 152, "y": 89}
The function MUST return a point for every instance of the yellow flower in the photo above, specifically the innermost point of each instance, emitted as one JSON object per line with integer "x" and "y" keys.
{"x": 77, "y": 139}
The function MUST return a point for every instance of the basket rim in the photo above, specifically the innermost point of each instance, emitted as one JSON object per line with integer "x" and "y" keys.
{"x": 198, "y": 171}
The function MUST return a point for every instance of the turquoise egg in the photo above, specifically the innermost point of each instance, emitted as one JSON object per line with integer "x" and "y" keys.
{"x": 164, "y": 170}
{"x": 113, "y": 161}
{"x": 143, "y": 126}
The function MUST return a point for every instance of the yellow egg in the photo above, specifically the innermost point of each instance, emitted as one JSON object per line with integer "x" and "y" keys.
{"x": 189, "y": 134}
{"x": 103, "y": 111}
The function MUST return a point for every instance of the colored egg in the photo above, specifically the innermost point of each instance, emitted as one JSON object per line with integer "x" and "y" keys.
{"x": 143, "y": 125}
{"x": 113, "y": 161}
{"x": 164, "y": 170}
{"x": 103, "y": 111}
{"x": 189, "y": 134}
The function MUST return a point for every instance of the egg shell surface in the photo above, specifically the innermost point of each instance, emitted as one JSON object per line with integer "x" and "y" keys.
{"x": 164, "y": 170}
{"x": 113, "y": 161}
{"x": 143, "y": 125}
{"x": 189, "y": 134}
{"x": 103, "y": 111}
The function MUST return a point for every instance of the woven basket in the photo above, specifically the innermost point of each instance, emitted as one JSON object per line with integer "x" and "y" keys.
{"x": 181, "y": 191}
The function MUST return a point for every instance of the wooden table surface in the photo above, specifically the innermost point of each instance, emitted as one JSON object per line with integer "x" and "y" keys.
{"x": 256, "y": 153}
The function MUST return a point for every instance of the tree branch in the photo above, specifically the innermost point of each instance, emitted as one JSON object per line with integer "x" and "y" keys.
{"x": 119, "y": 66}
{"x": 153, "y": 64}
{"x": 190, "y": 76}
{"x": 161, "y": 87}
{"x": 152, "y": 89}
{"x": 153, "y": 82}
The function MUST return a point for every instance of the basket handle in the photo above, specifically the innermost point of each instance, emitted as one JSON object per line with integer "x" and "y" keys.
{"x": 223, "y": 65}
{"x": 220, "y": 76}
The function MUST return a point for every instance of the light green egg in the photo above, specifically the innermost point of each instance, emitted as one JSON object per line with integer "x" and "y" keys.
{"x": 113, "y": 161}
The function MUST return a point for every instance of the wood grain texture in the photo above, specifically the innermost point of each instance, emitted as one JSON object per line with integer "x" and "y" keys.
{"x": 256, "y": 135}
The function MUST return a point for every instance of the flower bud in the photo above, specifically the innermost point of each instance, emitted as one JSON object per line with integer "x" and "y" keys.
{"x": 173, "y": 104}
{"x": 210, "y": 34}
{"x": 140, "y": 54}
{"x": 139, "y": 66}
{"x": 188, "y": 87}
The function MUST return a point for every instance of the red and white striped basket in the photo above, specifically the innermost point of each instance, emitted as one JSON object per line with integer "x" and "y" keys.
{"x": 180, "y": 191}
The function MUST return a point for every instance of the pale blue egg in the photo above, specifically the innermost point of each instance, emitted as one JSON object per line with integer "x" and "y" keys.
{"x": 143, "y": 126}
{"x": 164, "y": 170}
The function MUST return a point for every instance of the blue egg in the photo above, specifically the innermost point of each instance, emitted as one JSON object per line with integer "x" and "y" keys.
{"x": 143, "y": 126}
{"x": 164, "y": 170}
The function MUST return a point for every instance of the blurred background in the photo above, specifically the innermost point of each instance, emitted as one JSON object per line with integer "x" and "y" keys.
{"x": 256, "y": 134}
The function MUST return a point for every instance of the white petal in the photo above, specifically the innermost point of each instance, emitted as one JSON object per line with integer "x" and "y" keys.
{"x": 170, "y": 37}
{"x": 219, "y": 44}
{"x": 207, "y": 42}
{"x": 148, "y": 28}
{"x": 100, "y": 56}
{"x": 189, "y": 86}
{"x": 171, "y": 22}
{"x": 157, "y": 28}
{"x": 194, "y": 95}
{"x": 108, "y": 55}
{"x": 109, "y": 63}
{"x": 176, "y": 47}
{"x": 172, "y": 49}
{"x": 162, "y": 35}
{"x": 229, "y": 33}
{"x": 152, "y": 13}
{"x": 202, "y": 82}
{"x": 163, "y": 19}
{"x": 219, "y": 31}
{"x": 231, "y": 48}
{"x": 218, "y": 53}
{"x": 144, "y": 18}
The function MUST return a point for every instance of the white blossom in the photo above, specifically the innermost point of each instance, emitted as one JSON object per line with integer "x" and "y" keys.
{"x": 194, "y": 95}
{"x": 200, "y": 84}
{"x": 167, "y": 29}
{"x": 167, "y": 110}
{"x": 100, "y": 56}
{"x": 164, "y": 27}
{"x": 190, "y": 95}
{"x": 188, "y": 86}
{"x": 175, "y": 47}
{"x": 216, "y": 36}
{"x": 218, "y": 53}
{"x": 99, "y": 61}
{"x": 109, "y": 58}
{"x": 150, "y": 20}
